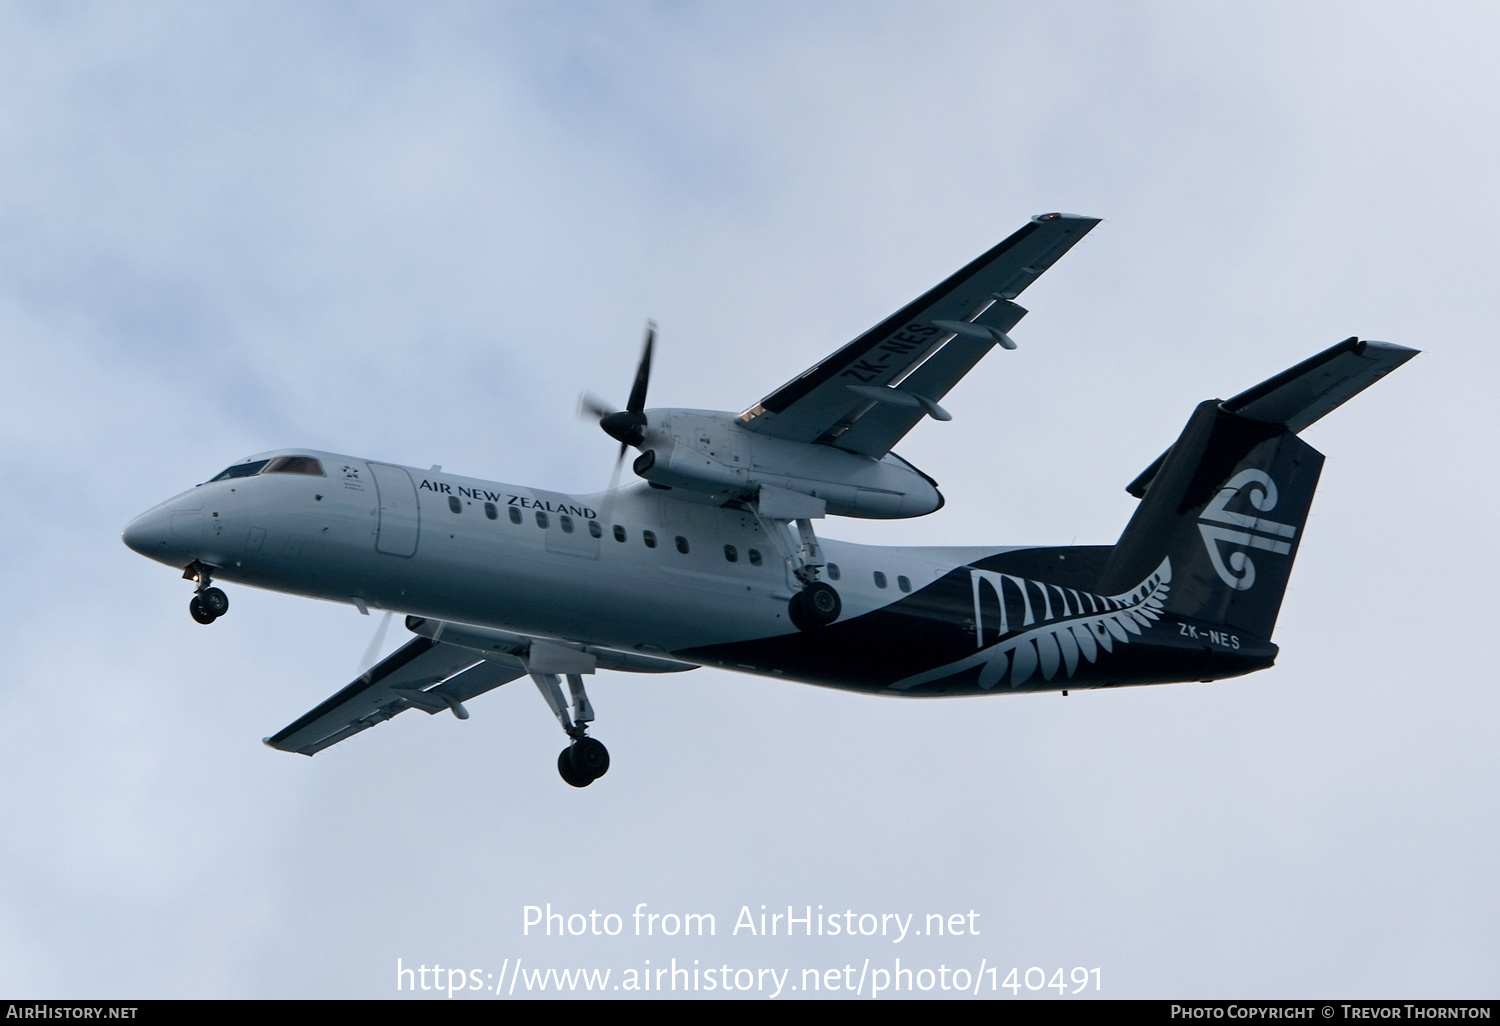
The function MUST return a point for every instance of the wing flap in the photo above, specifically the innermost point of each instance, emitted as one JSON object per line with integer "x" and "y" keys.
{"x": 403, "y": 680}
{"x": 817, "y": 406}
{"x": 877, "y": 431}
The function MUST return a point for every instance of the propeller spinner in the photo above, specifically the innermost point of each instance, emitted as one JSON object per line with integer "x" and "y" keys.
{"x": 627, "y": 426}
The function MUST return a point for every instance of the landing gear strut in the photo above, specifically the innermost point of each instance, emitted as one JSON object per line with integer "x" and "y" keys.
{"x": 586, "y": 759}
{"x": 208, "y": 603}
{"x": 817, "y": 605}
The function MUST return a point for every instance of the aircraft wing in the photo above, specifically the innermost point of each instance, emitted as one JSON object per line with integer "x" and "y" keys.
{"x": 422, "y": 674}
{"x": 850, "y": 400}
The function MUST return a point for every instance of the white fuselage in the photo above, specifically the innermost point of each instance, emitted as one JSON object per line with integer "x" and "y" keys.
{"x": 451, "y": 549}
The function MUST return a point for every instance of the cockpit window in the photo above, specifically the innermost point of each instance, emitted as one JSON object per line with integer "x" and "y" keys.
{"x": 294, "y": 465}
{"x": 241, "y": 470}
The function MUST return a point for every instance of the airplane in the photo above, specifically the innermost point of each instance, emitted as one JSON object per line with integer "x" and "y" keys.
{"x": 712, "y": 559}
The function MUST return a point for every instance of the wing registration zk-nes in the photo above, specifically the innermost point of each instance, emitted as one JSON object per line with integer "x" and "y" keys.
{"x": 869, "y": 394}
{"x": 715, "y": 556}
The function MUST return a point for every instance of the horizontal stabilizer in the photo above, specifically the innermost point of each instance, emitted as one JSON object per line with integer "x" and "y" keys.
{"x": 1302, "y": 394}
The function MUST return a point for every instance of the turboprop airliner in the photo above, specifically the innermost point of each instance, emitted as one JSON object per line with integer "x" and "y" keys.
{"x": 715, "y": 558}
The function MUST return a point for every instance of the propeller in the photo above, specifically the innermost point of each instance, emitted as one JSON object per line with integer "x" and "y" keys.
{"x": 627, "y": 426}
{"x": 372, "y": 654}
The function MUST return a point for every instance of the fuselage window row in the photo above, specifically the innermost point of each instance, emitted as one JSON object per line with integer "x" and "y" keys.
{"x": 596, "y": 530}
{"x": 733, "y": 555}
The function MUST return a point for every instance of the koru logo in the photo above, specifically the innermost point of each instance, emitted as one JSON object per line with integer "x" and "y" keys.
{"x": 1246, "y": 531}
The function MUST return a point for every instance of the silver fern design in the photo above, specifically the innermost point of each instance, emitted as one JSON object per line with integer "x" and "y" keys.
{"x": 1045, "y": 629}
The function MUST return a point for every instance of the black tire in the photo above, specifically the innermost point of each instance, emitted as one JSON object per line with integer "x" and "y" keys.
{"x": 199, "y": 613}
{"x": 821, "y": 602}
{"x": 801, "y": 619}
{"x": 590, "y": 758}
{"x": 566, "y": 769}
{"x": 215, "y": 601}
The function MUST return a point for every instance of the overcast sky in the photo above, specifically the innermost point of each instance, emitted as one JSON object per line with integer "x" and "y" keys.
{"x": 415, "y": 232}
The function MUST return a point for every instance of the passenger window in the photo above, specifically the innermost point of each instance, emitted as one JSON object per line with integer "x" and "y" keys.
{"x": 755, "y": 557}
{"x": 294, "y": 465}
{"x": 541, "y": 519}
{"x": 454, "y": 504}
{"x": 649, "y": 538}
{"x": 903, "y": 583}
{"x": 515, "y": 515}
{"x": 619, "y": 533}
{"x": 879, "y": 579}
{"x": 490, "y": 511}
{"x": 595, "y": 531}
{"x": 682, "y": 545}
{"x": 566, "y": 523}
{"x": 730, "y": 554}
{"x": 833, "y": 571}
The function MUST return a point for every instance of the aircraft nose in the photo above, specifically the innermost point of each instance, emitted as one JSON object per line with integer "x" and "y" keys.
{"x": 150, "y": 533}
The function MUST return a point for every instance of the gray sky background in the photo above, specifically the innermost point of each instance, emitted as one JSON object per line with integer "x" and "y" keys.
{"x": 416, "y": 232}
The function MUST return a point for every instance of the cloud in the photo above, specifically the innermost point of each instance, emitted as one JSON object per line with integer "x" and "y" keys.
{"x": 415, "y": 234}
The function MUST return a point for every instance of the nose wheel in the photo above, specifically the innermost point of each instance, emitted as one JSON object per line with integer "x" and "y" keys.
{"x": 209, "y": 606}
{"x": 208, "y": 603}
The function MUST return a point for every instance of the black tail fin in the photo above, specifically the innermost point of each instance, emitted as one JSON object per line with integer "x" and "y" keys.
{"x": 1227, "y": 503}
{"x": 1227, "y": 508}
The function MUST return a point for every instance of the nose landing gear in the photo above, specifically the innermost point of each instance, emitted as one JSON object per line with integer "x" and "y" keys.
{"x": 208, "y": 603}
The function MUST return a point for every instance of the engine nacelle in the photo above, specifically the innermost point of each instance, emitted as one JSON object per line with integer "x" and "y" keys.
{"x": 713, "y": 454}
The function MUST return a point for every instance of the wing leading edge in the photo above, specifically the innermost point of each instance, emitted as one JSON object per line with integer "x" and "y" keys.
{"x": 920, "y": 351}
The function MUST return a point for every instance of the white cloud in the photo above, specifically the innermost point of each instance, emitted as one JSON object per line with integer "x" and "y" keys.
{"x": 417, "y": 233}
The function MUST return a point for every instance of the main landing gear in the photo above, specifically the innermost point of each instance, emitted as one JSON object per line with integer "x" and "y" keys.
{"x": 208, "y": 603}
{"x": 583, "y": 762}
{"x": 586, "y": 759}
{"x": 817, "y": 605}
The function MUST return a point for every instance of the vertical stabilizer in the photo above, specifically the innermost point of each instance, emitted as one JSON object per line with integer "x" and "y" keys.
{"x": 1227, "y": 507}
{"x": 1226, "y": 504}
